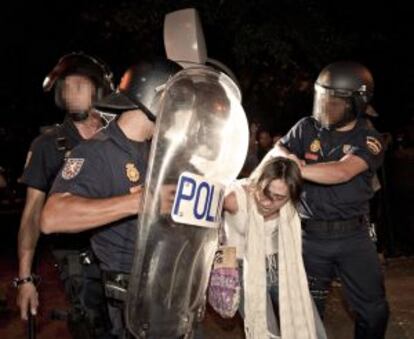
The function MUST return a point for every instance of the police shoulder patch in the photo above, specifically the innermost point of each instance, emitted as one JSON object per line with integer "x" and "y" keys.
{"x": 72, "y": 168}
{"x": 373, "y": 145}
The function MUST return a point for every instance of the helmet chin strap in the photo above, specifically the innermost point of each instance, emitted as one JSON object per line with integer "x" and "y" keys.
{"x": 78, "y": 116}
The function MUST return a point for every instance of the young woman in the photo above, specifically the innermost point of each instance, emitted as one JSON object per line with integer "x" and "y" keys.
{"x": 262, "y": 223}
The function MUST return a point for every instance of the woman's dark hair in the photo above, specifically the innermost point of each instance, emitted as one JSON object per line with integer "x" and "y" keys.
{"x": 283, "y": 169}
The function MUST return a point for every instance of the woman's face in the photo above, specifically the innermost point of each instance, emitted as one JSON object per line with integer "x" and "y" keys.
{"x": 270, "y": 197}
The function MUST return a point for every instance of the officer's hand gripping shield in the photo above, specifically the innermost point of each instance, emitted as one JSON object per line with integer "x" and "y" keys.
{"x": 199, "y": 146}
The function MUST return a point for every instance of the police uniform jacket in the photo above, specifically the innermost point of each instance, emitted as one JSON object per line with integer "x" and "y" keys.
{"x": 108, "y": 165}
{"x": 47, "y": 153}
{"x": 309, "y": 141}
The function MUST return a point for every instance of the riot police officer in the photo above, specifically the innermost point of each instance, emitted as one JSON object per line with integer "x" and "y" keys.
{"x": 100, "y": 185}
{"x": 338, "y": 154}
{"x": 78, "y": 81}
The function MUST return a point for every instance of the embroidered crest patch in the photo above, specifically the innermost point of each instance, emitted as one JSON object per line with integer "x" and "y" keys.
{"x": 72, "y": 168}
{"x": 374, "y": 145}
{"x": 315, "y": 146}
{"x": 132, "y": 172}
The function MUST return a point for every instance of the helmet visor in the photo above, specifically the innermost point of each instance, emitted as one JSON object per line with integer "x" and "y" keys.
{"x": 330, "y": 107}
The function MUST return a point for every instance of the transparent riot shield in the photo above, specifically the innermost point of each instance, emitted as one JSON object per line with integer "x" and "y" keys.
{"x": 199, "y": 146}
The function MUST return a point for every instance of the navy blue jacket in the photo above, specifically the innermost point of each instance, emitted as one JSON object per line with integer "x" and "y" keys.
{"x": 314, "y": 144}
{"x": 108, "y": 165}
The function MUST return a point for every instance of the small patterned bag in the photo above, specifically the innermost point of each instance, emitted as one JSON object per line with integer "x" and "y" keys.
{"x": 224, "y": 287}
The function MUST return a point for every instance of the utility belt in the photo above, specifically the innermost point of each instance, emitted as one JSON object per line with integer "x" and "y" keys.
{"x": 334, "y": 226}
{"x": 116, "y": 285}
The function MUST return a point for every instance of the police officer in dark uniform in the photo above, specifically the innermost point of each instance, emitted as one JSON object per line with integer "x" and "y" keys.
{"x": 78, "y": 81}
{"x": 100, "y": 184}
{"x": 338, "y": 154}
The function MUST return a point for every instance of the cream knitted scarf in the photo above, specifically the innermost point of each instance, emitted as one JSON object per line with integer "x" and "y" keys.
{"x": 297, "y": 319}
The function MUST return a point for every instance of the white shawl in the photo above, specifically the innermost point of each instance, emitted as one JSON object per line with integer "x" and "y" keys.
{"x": 297, "y": 318}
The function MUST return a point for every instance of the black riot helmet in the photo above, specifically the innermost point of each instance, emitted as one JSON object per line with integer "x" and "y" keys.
{"x": 79, "y": 63}
{"x": 141, "y": 86}
{"x": 342, "y": 93}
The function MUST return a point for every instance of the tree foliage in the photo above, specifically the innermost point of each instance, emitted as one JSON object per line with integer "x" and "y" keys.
{"x": 276, "y": 48}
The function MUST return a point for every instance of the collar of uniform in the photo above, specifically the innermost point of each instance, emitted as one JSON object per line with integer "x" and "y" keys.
{"x": 320, "y": 129}
{"x": 119, "y": 137}
{"x": 71, "y": 130}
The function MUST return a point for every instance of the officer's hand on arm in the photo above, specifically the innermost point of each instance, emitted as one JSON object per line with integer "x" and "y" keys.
{"x": 335, "y": 172}
{"x": 27, "y": 299}
{"x": 298, "y": 161}
{"x": 136, "y": 194}
{"x": 26, "y": 245}
{"x": 167, "y": 196}
{"x": 281, "y": 151}
{"x": 277, "y": 151}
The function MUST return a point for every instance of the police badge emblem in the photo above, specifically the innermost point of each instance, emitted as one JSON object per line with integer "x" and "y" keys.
{"x": 72, "y": 168}
{"x": 132, "y": 172}
{"x": 315, "y": 146}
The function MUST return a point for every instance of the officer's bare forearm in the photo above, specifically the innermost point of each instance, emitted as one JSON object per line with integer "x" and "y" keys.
{"x": 26, "y": 245}
{"x": 29, "y": 230}
{"x": 324, "y": 173}
{"x": 68, "y": 213}
{"x": 334, "y": 172}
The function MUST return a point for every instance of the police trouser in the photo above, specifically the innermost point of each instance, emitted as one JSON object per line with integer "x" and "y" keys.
{"x": 116, "y": 285}
{"x": 344, "y": 248}
{"x": 81, "y": 275}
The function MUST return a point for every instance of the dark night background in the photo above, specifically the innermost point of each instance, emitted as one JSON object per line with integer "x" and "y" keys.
{"x": 276, "y": 49}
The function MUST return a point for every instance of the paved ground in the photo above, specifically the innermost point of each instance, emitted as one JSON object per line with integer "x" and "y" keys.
{"x": 399, "y": 279}
{"x": 399, "y": 273}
